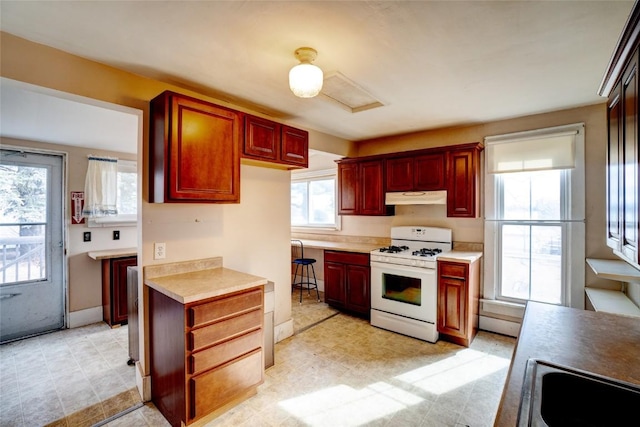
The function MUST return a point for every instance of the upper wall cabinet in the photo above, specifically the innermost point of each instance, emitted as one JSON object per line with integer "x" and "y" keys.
{"x": 276, "y": 143}
{"x": 195, "y": 151}
{"x": 425, "y": 172}
{"x": 463, "y": 181}
{"x": 361, "y": 187}
{"x": 620, "y": 85}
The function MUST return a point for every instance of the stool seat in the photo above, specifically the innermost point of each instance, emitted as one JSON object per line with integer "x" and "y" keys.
{"x": 302, "y": 264}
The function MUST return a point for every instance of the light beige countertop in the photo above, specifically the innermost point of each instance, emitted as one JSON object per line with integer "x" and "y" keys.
{"x": 192, "y": 281}
{"x": 460, "y": 256}
{"x": 601, "y": 343}
{"x": 340, "y": 246}
{"x": 113, "y": 253}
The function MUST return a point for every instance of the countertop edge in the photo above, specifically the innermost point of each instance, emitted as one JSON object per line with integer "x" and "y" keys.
{"x": 112, "y": 253}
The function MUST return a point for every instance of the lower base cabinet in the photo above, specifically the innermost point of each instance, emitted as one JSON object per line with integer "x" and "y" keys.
{"x": 115, "y": 305}
{"x": 205, "y": 355}
{"x": 347, "y": 281}
{"x": 458, "y": 301}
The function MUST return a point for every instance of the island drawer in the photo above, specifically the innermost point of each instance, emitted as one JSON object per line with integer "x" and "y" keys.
{"x": 224, "y": 352}
{"x": 202, "y": 314}
{"x": 219, "y": 386}
{"x": 225, "y": 329}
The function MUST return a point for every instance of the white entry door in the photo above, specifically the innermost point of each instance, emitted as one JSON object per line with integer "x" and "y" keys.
{"x": 31, "y": 244}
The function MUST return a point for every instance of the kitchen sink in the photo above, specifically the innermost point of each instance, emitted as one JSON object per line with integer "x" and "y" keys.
{"x": 555, "y": 395}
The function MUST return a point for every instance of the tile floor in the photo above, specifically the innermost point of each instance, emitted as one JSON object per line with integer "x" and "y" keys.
{"x": 74, "y": 377}
{"x": 335, "y": 372}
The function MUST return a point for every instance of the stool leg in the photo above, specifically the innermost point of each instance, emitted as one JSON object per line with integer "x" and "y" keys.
{"x": 315, "y": 281}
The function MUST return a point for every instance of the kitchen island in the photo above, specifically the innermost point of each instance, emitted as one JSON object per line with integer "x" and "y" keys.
{"x": 206, "y": 338}
{"x": 600, "y": 343}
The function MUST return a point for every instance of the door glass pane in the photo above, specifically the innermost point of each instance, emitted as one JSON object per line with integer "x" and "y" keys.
{"x": 23, "y": 207}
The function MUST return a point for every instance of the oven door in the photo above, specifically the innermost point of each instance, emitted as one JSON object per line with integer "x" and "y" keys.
{"x": 405, "y": 291}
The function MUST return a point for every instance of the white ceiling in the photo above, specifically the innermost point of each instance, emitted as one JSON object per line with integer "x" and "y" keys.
{"x": 432, "y": 64}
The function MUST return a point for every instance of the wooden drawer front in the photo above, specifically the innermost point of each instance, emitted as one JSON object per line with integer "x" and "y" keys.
{"x": 225, "y": 307}
{"x": 225, "y": 329}
{"x": 215, "y": 388}
{"x": 222, "y": 353}
{"x": 453, "y": 270}
{"x": 347, "y": 257}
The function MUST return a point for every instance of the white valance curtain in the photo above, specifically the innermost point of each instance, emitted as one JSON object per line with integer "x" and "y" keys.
{"x": 101, "y": 187}
{"x": 532, "y": 153}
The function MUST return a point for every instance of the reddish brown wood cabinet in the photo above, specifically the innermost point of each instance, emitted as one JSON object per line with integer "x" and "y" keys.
{"x": 347, "y": 281}
{"x": 621, "y": 87}
{"x": 361, "y": 188}
{"x": 195, "y": 151}
{"x": 425, "y": 172}
{"x": 458, "y": 301}
{"x": 463, "y": 181}
{"x": 273, "y": 142}
{"x": 115, "y": 306}
{"x": 204, "y": 355}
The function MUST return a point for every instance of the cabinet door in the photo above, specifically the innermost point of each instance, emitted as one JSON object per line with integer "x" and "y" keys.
{"x": 614, "y": 112}
{"x": 119, "y": 302}
{"x": 358, "y": 294}
{"x": 347, "y": 188}
{"x": 629, "y": 162}
{"x": 399, "y": 173}
{"x": 261, "y": 138}
{"x": 295, "y": 146}
{"x": 462, "y": 183}
{"x": 429, "y": 172}
{"x": 335, "y": 286}
{"x": 371, "y": 194}
{"x": 195, "y": 151}
{"x": 452, "y": 307}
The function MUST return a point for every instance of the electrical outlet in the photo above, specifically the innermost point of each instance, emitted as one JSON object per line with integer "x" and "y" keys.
{"x": 116, "y": 234}
{"x": 86, "y": 236}
{"x": 159, "y": 251}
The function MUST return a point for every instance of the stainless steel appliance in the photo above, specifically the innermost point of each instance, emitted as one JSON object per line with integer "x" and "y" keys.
{"x": 404, "y": 287}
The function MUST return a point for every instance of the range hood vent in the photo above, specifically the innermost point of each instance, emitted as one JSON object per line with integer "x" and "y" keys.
{"x": 416, "y": 198}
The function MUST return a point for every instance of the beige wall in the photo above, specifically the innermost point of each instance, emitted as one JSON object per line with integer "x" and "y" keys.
{"x": 84, "y": 280}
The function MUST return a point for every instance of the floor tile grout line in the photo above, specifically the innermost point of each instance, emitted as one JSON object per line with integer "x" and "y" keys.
{"x": 315, "y": 324}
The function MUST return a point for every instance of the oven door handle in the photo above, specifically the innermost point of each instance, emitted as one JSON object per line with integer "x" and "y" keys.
{"x": 402, "y": 268}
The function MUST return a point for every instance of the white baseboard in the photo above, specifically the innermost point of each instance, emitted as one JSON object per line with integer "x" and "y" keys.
{"x": 143, "y": 383}
{"x": 499, "y": 326}
{"x": 84, "y": 317}
{"x": 283, "y": 330}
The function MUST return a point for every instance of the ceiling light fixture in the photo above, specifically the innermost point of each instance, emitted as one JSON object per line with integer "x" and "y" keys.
{"x": 305, "y": 79}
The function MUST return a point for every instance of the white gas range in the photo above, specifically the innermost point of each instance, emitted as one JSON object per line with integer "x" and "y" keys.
{"x": 404, "y": 294}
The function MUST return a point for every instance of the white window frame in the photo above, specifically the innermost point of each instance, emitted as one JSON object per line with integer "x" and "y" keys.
{"x": 120, "y": 220}
{"x": 318, "y": 175}
{"x": 573, "y": 227}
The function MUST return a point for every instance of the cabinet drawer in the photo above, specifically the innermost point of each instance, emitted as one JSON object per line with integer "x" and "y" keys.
{"x": 215, "y": 388}
{"x": 222, "y": 353}
{"x": 354, "y": 258}
{"x": 225, "y": 307}
{"x": 453, "y": 270}
{"x": 225, "y": 329}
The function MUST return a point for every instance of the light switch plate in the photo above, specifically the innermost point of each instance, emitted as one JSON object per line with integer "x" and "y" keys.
{"x": 86, "y": 236}
{"x": 116, "y": 234}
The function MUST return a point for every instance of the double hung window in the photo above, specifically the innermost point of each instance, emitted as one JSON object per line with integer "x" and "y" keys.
{"x": 534, "y": 226}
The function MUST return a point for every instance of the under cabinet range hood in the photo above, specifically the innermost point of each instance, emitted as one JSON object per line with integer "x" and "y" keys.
{"x": 416, "y": 198}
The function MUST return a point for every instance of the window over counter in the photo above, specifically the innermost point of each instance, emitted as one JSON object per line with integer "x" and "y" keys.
{"x": 127, "y": 197}
{"x": 313, "y": 199}
{"x": 535, "y": 211}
